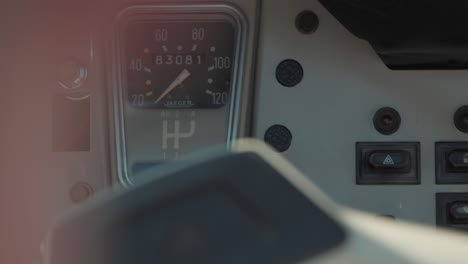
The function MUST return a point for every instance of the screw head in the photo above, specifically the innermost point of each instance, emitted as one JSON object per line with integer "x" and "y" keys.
{"x": 80, "y": 192}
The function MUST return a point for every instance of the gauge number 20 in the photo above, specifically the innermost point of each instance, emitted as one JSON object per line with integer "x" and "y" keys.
{"x": 138, "y": 99}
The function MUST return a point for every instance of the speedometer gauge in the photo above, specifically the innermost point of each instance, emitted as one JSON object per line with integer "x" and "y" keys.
{"x": 179, "y": 64}
{"x": 179, "y": 82}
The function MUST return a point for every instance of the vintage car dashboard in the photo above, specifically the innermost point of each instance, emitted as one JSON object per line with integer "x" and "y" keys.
{"x": 117, "y": 87}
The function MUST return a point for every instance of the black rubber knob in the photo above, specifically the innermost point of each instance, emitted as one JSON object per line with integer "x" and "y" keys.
{"x": 387, "y": 121}
{"x": 307, "y": 22}
{"x": 460, "y": 119}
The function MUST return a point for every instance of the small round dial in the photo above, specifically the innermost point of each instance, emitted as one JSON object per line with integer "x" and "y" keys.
{"x": 179, "y": 64}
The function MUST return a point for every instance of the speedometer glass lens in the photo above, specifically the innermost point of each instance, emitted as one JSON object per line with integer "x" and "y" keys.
{"x": 179, "y": 65}
{"x": 178, "y": 82}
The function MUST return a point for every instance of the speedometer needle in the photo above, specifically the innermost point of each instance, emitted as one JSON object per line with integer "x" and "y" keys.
{"x": 178, "y": 81}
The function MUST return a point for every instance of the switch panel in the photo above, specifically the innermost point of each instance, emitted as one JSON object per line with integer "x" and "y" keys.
{"x": 451, "y": 162}
{"x": 452, "y": 210}
{"x": 387, "y": 163}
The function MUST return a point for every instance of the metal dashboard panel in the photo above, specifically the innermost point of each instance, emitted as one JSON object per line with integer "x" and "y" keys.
{"x": 344, "y": 84}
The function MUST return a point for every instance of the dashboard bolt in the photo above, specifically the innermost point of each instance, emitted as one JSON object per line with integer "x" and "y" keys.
{"x": 80, "y": 192}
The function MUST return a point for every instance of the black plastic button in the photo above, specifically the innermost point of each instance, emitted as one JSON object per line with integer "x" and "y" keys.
{"x": 459, "y": 159}
{"x": 451, "y": 162}
{"x": 452, "y": 210}
{"x": 390, "y": 160}
{"x": 387, "y": 163}
{"x": 459, "y": 211}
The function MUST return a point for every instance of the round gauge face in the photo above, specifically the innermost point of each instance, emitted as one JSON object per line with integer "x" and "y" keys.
{"x": 179, "y": 64}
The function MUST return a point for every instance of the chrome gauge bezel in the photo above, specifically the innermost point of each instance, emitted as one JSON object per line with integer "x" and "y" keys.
{"x": 176, "y": 13}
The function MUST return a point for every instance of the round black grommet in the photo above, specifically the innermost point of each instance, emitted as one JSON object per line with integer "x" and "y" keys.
{"x": 289, "y": 73}
{"x": 279, "y": 137}
{"x": 460, "y": 119}
{"x": 387, "y": 121}
{"x": 307, "y": 22}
